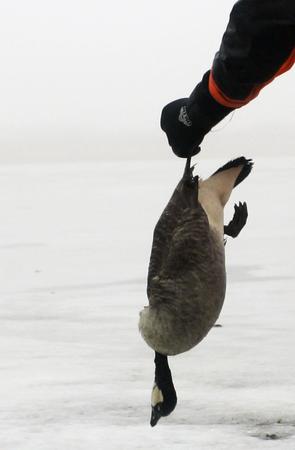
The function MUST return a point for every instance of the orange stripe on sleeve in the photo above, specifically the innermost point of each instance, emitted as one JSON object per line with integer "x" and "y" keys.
{"x": 224, "y": 100}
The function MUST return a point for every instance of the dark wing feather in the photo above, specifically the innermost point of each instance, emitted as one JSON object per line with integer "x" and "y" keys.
{"x": 184, "y": 197}
{"x": 161, "y": 238}
{"x": 178, "y": 262}
{"x": 188, "y": 245}
{"x": 241, "y": 161}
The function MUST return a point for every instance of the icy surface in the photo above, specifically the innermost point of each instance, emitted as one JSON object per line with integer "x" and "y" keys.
{"x": 75, "y": 373}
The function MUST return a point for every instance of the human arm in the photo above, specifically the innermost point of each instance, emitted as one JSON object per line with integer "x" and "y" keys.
{"x": 257, "y": 46}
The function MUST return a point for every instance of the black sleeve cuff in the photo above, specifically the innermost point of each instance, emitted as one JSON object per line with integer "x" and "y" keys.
{"x": 204, "y": 111}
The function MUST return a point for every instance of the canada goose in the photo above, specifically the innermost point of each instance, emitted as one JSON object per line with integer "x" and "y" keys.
{"x": 186, "y": 278}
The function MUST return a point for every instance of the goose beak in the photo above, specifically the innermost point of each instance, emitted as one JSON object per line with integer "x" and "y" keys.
{"x": 156, "y": 416}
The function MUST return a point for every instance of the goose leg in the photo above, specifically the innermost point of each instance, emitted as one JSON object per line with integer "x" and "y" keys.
{"x": 188, "y": 177}
{"x": 238, "y": 221}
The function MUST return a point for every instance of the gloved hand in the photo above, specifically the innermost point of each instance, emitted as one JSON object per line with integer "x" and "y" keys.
{"x": 186, "y": 121}
{"x": 183, "y": 131}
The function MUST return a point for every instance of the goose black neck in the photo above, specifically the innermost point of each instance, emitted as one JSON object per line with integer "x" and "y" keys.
{"x": 163, "y": 375}
{"x": 163, "y": 379}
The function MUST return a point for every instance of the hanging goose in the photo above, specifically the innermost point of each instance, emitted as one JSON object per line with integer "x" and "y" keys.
{"x": 186, "y": 278}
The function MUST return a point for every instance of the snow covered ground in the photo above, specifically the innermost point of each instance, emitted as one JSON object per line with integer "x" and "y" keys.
{"x": 75, "y": 373}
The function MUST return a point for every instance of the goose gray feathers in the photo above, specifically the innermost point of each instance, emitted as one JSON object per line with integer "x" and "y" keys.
{"x": 187, "y": 278}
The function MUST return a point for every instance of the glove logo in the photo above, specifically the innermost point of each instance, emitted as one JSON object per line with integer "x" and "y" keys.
{"x": 184, "y": 118}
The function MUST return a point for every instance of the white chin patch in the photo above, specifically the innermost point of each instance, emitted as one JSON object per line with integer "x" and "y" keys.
{"x": 157, "y": 396}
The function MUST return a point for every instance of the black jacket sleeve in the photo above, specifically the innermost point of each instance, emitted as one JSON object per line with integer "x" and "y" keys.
{"x": 258, "y": 45}
{"x": 258, "y": 42}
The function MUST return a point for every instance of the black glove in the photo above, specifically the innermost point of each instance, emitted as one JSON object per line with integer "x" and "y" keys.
{"x": 186, "y": 121}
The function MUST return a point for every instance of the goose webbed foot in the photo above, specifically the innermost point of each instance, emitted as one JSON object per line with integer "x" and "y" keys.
{"x": 238, "y": 221}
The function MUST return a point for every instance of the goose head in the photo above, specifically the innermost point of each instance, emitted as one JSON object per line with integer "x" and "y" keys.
{"x": 164, "y": 397}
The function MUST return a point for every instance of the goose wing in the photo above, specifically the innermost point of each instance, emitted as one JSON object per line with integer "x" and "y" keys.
{"x": 162, "y": 237}
{"x": 172, "y": 233}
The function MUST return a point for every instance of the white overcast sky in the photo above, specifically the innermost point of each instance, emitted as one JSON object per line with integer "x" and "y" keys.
{"x": 90, "y": 78}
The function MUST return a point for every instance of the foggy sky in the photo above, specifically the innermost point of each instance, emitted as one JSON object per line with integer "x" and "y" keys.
{"x": 88, "y": 79}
